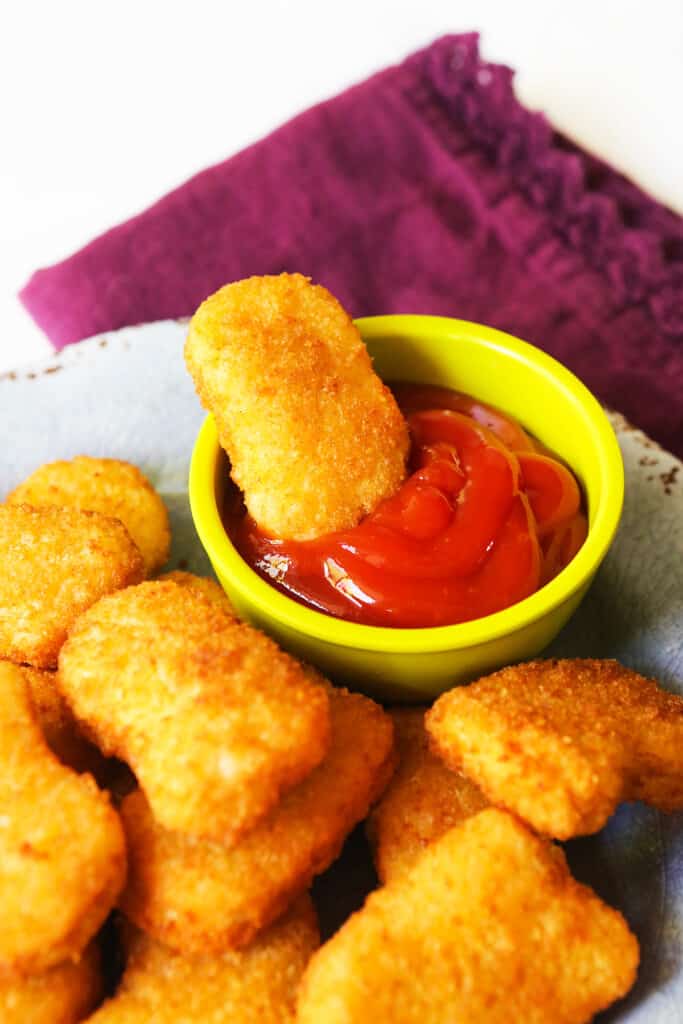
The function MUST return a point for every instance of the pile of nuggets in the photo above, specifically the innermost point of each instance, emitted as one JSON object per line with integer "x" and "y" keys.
{"x": 169, "y": 775}
{"x": 161, "y": 757}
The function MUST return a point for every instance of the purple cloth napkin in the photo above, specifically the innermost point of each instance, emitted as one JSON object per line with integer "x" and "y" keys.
{"x": 426, "y": 189}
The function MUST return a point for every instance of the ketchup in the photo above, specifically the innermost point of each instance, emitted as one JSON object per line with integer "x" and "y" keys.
{"x": 484, "y": 518}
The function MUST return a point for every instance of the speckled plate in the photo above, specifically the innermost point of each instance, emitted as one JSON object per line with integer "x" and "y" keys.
{"x": 127, "y": 395}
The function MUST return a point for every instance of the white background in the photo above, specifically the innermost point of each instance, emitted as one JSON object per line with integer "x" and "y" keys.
{"x": 106, "y": 107}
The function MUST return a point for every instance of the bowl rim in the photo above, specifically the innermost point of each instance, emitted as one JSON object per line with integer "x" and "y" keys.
{"x": 427, "y": 639}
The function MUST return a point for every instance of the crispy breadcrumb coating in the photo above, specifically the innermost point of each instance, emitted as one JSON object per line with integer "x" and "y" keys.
{"x": 110, "y": 487}
{"x": 487, "y": 926}
{"x": 199, "y": 897}
{"x": 65, "y": 738}
{"x": 65, "y": 994}
{"x": 56, "y": 562}
{"x": 208, "y": 588}
{"x": 214, "y": 719}
{"x": 423, "y": 800}
{"x": 562, "y": 743}
{"x": 315, "y": 439}
{"x": 60, "y": 728}
{"x": 254, "y": 986}
{"x": 62, "y": 849}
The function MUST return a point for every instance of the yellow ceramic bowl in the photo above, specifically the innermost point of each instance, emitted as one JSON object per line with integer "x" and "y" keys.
{"x": 418, "y": 664}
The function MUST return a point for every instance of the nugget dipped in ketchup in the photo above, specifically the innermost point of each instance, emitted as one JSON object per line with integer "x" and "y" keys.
{"x": 315, "y": 439}
{"x": 480, "y": 517}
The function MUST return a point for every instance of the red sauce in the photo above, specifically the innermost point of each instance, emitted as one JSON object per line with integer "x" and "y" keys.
{"x": 485, "y": 517}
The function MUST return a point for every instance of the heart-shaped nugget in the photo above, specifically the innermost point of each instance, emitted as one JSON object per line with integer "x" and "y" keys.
{"x": 561, "y": 743}
{"x": 214, "y": 719}
{"x": 488, "y": 925}
{"x": 62, "y": 850}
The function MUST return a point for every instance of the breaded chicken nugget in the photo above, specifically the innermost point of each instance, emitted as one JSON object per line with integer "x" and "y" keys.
{"x": 487, "y": 926}
{"x": 62, "y": 850}
{"x": 315, "y": 438}
{"x": 214, "y": 719}
{"x": 199, "y": 897}
{"x": 65, "y": 994}
{"x": 107, "y": 486}
{"x": 255, "y": 986}
{"x": 561, "y": 743}
{"x": 423, "y": 800}
{"x": 60, "y": 729}
{"x": 65, "y": 739}
{"x": 208, "y": 588}
{"x": 56, "y": 562}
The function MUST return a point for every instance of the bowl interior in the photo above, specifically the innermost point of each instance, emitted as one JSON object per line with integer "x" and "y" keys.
{"x": 518, "y": 378}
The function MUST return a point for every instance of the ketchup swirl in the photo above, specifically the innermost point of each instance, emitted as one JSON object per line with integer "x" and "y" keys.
{"x": 484, "y": 518}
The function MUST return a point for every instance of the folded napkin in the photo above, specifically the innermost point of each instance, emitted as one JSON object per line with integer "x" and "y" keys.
{"x": 427, "y": 189}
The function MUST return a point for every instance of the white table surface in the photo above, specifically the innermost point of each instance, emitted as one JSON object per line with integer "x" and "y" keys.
{"x": 106, "y": 107}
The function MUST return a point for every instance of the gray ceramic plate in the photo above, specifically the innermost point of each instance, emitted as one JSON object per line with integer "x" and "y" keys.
{"x": 127, "y": 395}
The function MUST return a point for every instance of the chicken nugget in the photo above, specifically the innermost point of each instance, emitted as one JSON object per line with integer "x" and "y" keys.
{"x": 214, "y": 719}
{"x": 315, "y": 439}
{"x": 487, "y": 926}
{"x": 62, "y": 849}
{"x": 60, "y": 729}
{"x": 107, "y": 486}
{"x": 56, "y": 562}
{"x": 65, "y": 994}
{"x": 423, "y": 800}
{"x": 256, "y": 985}
{"x": 208, "y": 588}
{"x": 199, "y": 897}
{"x": 561, "y": 743}
{"x": 65, "y": 739}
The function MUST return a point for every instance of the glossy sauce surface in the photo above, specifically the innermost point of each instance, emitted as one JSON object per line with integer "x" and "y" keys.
{"x": 484, "y": 518}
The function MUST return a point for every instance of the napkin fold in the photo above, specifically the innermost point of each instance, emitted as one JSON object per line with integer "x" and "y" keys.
{"x": 427, "y": 188}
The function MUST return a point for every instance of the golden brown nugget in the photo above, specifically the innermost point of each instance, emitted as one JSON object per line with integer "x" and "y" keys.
{"x": 255, "y": 986}
{"x": 487, "y": 926}
{"x": 65, "y": 738}
{"x": 202, "y": 898}
{"x": 60, "y": 729}
{"x": 56, "y": 562}
{"x": 213, "y": 718}
{"x": 62, "y": 849}
{"x": 110, "y": 487}
{"x": 423, "y": 800}
{"x": 65, "y": 994}
{"x": 561, "y": 743}
{"x": 208, "y": 588}
{"x": 315, "y": 438}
